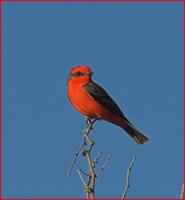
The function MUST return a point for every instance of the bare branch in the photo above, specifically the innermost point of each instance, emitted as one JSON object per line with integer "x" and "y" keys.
{"x": 127, "y": 182}
{"x": 85, "y": 148}
{"x": 83, "y": 172}
{"x": 75, "y": 159}
{"x": 103, "y": 167}
{"x": 92, "y": 175}
{"x": 81, "y": 178}
{"x": 98, "y": 157}
{"x": 86, "y": 133}
{"x": 89, "y": 123}
{"x": 182, "y": 192}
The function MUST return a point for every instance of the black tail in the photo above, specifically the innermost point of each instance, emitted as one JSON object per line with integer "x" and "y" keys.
{"x": 139, "y": 137}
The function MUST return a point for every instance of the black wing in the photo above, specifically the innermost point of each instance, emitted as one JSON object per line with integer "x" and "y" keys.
{"x": 102, "y": 97}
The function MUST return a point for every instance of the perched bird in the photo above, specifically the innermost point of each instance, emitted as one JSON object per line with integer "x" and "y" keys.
{"x": 93, "y": 101}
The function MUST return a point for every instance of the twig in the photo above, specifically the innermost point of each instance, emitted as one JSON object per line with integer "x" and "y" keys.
{"x": 83, "y": 172}
{"x": 75, "y": 159}
{"x": 127, "y": 183}
{"x": 98, "y": 157}
{"x": 89, "y": 123}
{"x": 86, "y": 133}
{"x": 92, "y": 175}
{"x": 85, "y": 148}
{"x": 81, "y": 178}
{"x": 103, "y": 167}
{"x": 182, "y": 192}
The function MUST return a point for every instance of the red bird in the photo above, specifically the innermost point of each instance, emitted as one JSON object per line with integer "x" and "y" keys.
{"x": 93, "y": 101}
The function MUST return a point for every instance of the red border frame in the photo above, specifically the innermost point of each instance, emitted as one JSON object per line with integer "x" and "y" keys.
{"x": 0, "y": 100}
{"x": 83, "y": 198}
{"x": 93, "y": 1}
{"x": 1, "y": 198}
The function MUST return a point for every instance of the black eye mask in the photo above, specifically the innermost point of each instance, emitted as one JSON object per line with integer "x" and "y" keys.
{"x": 77, "y": 74}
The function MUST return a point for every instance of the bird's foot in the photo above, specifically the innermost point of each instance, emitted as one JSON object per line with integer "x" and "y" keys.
{"x": 88, "y": 121}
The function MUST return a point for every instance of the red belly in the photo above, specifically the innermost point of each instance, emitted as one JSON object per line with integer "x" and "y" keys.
{"x": 84, "y": 103}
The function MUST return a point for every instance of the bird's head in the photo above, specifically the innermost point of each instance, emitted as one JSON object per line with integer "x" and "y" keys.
{"x": 80, "y": 73}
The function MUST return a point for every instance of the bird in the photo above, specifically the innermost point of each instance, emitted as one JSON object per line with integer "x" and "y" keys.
{"x": 93, "y": 102}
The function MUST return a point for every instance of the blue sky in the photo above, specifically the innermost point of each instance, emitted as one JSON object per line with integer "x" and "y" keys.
{"x": 136, "y": 52}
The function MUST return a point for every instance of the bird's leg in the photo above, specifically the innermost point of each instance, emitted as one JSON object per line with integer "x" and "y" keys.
{"x": 88, "y": 120}
{"x": 93, "y": 121}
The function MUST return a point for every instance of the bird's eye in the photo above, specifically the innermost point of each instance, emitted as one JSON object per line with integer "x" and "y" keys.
{"x": 78, "y": 73}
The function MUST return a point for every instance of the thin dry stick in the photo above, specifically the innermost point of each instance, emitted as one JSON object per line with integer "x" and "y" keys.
{"x": 81, "y": 178}
{"x": 103, "y": 167}
{"x": 182, "y": 192}
{"x": 83, "y": 172}
{"x": 91, "y": 179}
{"x": 98, "y": 157}
{"x": 84, "y": 184}
{"x": 86, "y": 133}
{"x": 89, "y": 184}
{"x": 127, "y": 182}
{"x": 75, "y": 159}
